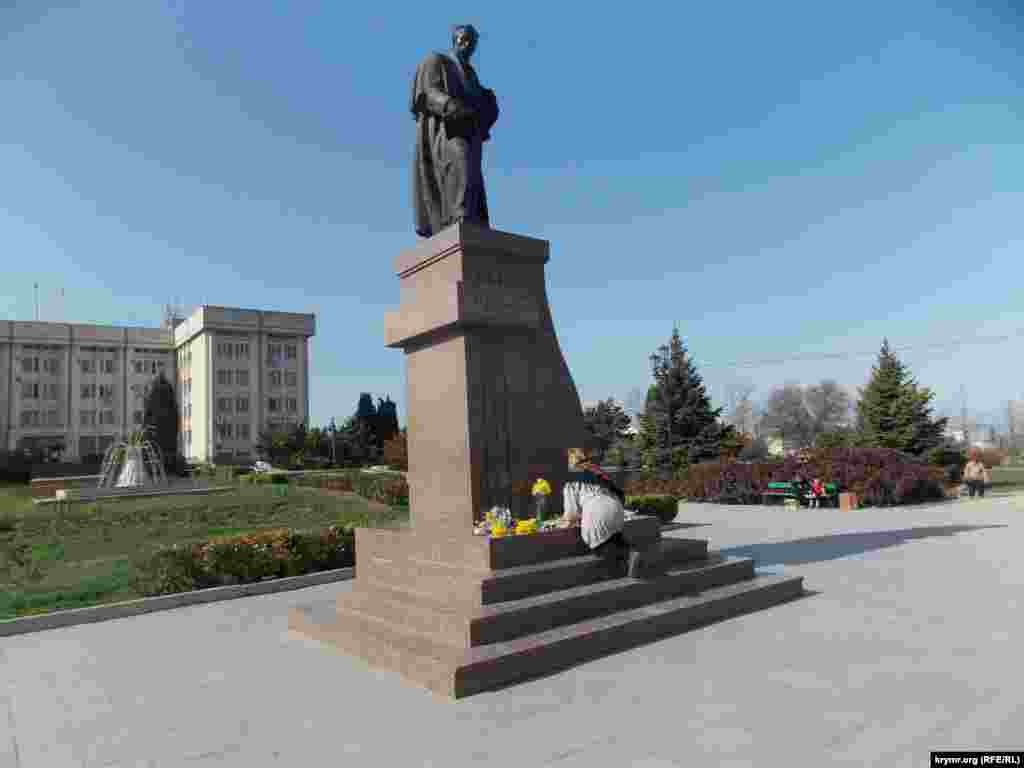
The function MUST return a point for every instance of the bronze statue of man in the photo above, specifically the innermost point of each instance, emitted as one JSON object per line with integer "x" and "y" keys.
{"x": 454, "y": 115}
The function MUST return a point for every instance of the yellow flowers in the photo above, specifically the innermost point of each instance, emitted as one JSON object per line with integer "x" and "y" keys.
{"x": 541, "y": 488}
{"x": 497, "y": 531}
{"x": 526, "y": 526}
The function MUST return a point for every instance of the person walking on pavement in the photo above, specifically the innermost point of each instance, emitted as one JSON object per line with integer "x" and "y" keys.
{"x": 976, "y": 475}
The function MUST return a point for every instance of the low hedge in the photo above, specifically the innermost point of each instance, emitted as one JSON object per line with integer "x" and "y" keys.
{"x": 245, "y": 558}
{"x": 663, "y": 507}
{"x": 879, "y": 477}
{"x": 390, "y": 489}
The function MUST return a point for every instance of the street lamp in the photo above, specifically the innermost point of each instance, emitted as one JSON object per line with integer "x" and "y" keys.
{"x": 333, "y": 429}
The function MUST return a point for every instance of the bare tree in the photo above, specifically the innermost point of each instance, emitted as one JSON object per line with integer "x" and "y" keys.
{"x": 800, "y": 414}
{"x": 786, "y": 412}
{"x": 740, "y": 407}
{"x": 829, "y": 405}
{"x": 1012, "y": 420}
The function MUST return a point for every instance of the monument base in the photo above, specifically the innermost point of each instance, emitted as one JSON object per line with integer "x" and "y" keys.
{"x": 520, "y": 607}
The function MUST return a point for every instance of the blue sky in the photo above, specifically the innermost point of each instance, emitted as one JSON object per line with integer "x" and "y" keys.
{"x": 780, "y": 179}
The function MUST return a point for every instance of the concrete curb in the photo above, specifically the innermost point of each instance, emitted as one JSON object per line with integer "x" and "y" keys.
{"x": 92, "y": 614}
{"x": 83, "y": 497}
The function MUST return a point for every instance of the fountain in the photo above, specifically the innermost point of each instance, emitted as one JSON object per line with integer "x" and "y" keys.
{"x": 133, "y": 463}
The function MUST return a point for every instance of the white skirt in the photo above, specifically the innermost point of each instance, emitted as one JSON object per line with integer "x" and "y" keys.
{"x": 601, "y": 515}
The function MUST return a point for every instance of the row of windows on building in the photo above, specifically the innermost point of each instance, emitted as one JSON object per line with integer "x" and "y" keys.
{"x": 32, "y": 364}
{"x": 240, "y": 351}
{"x": 89, "y": 418}
{"x": 241, "y": 404}
{"x": 228, "y": 431}
{"x": 237, "y": 350}
{"x": 50, "y": 418}
{"x": 51, "y": 365}
{"x": 240, "y": 378}
{"x": 96, "y": 418}
{"x": 225, "y": 431}
{"x": 34, "y": 390}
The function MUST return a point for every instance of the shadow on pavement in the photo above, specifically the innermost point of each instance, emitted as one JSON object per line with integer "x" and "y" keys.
{"x": 820, "y": 548}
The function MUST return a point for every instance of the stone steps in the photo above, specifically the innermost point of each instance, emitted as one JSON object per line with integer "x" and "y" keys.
{"x": 602, "y": 592}
{"x": 529, "y": 580}
{"x": 516, "y": 618}
{"x": 456, "y": 672}
{"x": 543, "y": 547}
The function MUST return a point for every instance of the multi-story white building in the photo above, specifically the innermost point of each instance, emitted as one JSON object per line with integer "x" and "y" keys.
{"x": 234, "y": 372}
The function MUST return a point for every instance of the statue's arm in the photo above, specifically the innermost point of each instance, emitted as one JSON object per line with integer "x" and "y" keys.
{"x": 489, "y": 113}
{"x": 432, "y": 97}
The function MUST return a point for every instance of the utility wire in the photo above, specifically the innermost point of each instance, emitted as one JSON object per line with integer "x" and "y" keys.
{"x": 854, "y": 355}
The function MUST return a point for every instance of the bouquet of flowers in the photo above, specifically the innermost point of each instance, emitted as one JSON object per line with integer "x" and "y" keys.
{"x": 496, "y": 522}
{"x": 541, "y": 490}
{"x": 525, "y": 527}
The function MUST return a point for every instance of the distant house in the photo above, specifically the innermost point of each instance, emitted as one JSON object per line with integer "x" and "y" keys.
{"x": 778, "y": 446}
{"x": 956, "y": 435}
{"x": 974, "y": 435}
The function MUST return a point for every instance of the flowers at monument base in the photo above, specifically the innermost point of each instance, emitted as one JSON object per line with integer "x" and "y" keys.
{"x": 541, "y": 488}
{"x": 245, "y": 558}
{"x": 528, "y": 526}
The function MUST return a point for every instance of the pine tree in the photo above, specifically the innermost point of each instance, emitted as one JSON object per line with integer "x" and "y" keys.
{"x": 358, "y": 437}
{"x": 161, "y": 414}
{"x": 894, "y": 412}
{"x": 679, "y": 426}
{"x": 387, "y": 419}
{"x": 606, "y": 423}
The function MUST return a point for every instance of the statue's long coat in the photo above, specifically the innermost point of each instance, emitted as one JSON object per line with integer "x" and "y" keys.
{"x": 438, "y": 78}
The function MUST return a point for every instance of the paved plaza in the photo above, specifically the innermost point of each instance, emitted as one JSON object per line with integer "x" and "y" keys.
{"x": 909, "y": 641}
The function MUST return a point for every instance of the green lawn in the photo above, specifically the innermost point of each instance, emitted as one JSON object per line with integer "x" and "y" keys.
{"x": 51, "y": 560}
{"x": 1007, "y": 478}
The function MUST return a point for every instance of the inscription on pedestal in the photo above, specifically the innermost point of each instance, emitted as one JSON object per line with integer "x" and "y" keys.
{"x": 497, "y": 304}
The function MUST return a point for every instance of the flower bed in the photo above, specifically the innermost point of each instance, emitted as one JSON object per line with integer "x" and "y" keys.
{"x": 246, "y": 558}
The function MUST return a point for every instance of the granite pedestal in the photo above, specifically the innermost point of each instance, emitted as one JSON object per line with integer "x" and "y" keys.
{"x": 491, "y": 406}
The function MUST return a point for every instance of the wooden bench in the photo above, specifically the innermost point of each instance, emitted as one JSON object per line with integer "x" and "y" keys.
{"x": 789, "y": 490}
{"x": 780, "y": 490}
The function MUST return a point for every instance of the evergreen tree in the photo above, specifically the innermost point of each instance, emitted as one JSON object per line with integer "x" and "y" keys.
{"x": 894, "y": 412}
{"x": 606, "y": 423}
{"x": 387, "y": 419}
{"x": 359, "y": 437}
{"x": 161, "y": 414}
{"x": 273, "y": 445}
{"x": 297, "y": 438}
{"x": 679, "y": 426}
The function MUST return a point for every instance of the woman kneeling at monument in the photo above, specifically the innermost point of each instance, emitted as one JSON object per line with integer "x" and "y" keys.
{"x": 596, "y": 504}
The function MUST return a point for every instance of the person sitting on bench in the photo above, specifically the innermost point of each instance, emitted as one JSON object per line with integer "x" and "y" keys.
{"x": 817, "y": 492}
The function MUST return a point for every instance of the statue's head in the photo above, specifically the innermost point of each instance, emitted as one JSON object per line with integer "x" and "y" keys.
{"x": 464, "y": 40}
